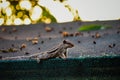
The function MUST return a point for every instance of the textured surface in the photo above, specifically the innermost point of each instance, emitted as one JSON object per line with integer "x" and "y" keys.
{"x": 97, "y": 58}
{"x": 94, "y": 68}
{"x": 85, "y": 45}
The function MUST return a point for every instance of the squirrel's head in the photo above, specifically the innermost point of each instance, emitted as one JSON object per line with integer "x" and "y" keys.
{"x": 68, "y": 44}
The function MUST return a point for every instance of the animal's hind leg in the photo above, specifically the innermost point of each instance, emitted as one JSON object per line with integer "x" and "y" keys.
{"x": 38, "y": 60}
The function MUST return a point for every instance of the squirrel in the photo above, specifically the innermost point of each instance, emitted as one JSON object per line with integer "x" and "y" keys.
{"x": 58, "y": 52}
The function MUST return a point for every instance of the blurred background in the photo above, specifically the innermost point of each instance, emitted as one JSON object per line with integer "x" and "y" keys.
{"x": 17, "y": 12}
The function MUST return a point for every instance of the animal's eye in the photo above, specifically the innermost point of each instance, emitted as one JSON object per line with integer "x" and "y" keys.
{"x": 64, "y": 41}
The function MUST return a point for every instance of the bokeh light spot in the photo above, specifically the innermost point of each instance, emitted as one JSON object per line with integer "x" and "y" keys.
{"x": 27, "y": 21}
{"x": 17, "y": 7}
{"x": 4, "y": 4}
{"x": 36, "y": 13}
{"x": 8, "y": 21}
{"x": 25, "y": 4}
{"x": 18, "y": 21}
{"x": 19, "y": 14}
{"x": 8, "y": 11}
{"x": 1, "y": 21}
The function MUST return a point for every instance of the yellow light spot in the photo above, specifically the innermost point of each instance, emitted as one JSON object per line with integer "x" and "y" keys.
{"x": 17, "y": 7}
{"x": 19, "y": 14}
{"x": 1, "y": 21}
{"x": 33, "y": 3}
{"x": 8, "y": 11}
{"x": 8, "y": 22}
{"x": 27, "y": 21}
{"x": 25, "y": 4}
{"x": 25, "y": 16}
{"x": 48, "y": 20}
{"x": 36, "y": 13}
{"x": 12, "y": 7}
{"x": 18, "y": 21}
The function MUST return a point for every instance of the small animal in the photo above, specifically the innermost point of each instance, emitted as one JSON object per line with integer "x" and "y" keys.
{"x": 58, "y": 52}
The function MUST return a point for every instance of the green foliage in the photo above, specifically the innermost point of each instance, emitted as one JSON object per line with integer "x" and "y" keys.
{"x": 47, "y": 14}
{"x": 92, "y": 27}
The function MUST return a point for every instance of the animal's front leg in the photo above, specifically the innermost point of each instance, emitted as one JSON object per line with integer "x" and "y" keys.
{"x": 65, "y": 53}
{"x": 62, "y": 56}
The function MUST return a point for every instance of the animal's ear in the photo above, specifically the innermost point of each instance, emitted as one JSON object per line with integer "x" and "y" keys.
{"x": 64, "y": 41}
